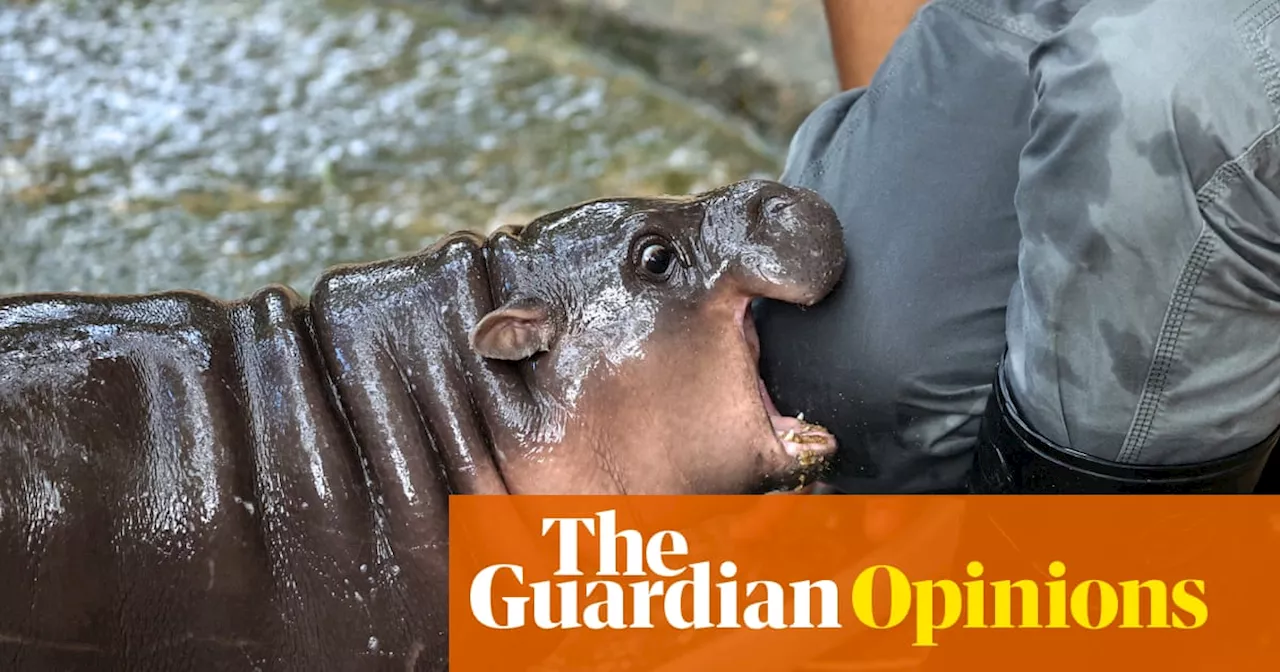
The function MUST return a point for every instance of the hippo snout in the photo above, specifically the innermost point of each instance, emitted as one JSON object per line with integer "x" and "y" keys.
{"x": 791, "y": 247}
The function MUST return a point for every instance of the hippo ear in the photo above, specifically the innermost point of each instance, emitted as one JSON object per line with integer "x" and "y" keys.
{"x": 513, "y": 332}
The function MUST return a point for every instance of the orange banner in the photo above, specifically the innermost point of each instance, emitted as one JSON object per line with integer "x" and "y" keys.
{"x": 827, "y": 583}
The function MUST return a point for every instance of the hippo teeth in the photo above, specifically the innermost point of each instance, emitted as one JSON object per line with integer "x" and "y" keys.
{"x": 800, "y": 439}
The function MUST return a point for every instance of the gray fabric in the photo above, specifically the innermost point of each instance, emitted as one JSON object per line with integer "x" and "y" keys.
{"x": 1092, "y": 185}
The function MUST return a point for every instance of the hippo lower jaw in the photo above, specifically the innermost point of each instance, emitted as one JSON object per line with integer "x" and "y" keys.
{"x": 807, "y": 447}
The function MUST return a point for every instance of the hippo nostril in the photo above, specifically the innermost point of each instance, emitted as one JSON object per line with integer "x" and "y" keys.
{"x": 775, "y": 206}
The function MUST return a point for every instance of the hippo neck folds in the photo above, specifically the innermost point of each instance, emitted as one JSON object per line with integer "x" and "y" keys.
{"x": 265, "y": 482}
{"x": 604, "y": 348}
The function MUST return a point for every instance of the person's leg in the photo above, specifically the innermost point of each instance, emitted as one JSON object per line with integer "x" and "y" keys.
{"x": 921, "y": 167}
{"x": 1145, "y": 327}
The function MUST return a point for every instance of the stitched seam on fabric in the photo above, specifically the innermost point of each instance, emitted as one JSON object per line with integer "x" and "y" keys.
{"x": 1251, "y": 25}
{"x": 818, "y": 168}
{"x": 1166, "y": 347}
{"x": 986, "y": 16}
{"x": 1214, "y": 188}
{"x": 852, "y": 122}
{"x": 1238, "y": 168}
{"x": 1253, "y": 19}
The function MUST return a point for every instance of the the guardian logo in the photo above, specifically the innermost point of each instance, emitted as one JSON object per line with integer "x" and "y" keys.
{"x": 656, "y": 585}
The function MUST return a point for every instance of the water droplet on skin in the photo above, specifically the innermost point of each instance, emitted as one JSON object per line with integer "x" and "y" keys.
{"x": 248, "y": 506}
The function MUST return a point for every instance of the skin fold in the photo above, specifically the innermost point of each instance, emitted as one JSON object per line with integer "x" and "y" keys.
{"x": 191, "y": 483}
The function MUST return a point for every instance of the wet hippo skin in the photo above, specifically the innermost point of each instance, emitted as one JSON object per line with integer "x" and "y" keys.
{"x": 196, "y": 484}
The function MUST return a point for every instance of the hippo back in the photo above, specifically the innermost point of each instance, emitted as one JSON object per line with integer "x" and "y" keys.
{"x": 262, "y": 483}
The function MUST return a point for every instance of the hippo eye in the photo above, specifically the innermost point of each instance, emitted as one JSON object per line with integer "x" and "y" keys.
{"x": 656, "y": 259}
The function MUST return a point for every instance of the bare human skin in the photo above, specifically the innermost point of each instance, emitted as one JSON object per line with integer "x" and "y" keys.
{"x": 862, "y": 32}
{"x": 191, "y": 483}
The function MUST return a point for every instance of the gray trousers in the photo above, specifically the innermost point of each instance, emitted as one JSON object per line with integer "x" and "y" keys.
{"x": 1089, "y": 189}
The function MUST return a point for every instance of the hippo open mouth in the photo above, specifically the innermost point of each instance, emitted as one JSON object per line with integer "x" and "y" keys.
{"x": 810, "y": 445}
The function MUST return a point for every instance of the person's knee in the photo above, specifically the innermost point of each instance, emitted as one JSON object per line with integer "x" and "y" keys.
{"x": 896, "y": 361}
{"x": 847, "y": 364}
{"x": 901, "y": 389}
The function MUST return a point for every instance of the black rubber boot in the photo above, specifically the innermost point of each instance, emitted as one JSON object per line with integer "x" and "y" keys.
{"x": 1269, "y": 484}
{"x": 1011, "y": 458}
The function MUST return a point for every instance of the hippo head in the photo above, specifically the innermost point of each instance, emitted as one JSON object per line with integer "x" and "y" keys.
{"x": 628, "y": 320}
